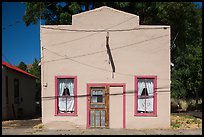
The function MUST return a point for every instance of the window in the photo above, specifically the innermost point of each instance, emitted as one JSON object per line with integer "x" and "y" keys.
{"x": 66, "y": 101}
{"x": 145, "y": 96}
{"x": 97, "y": 96}
{"x": 16, "y": 91}
{"x": 7, "y": 97}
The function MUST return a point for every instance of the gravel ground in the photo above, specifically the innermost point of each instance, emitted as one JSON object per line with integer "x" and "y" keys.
{"x": 26, "y": 127}
{"x": 30, "y": 131}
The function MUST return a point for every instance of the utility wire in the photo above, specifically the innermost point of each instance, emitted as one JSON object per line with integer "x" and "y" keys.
{"x": 96, "y": 32}
{"x": 130, "y": 92}
{"x": 10, "y": 25}
{"x": 74, "y": 60}
{"x": 130, "y": 75}
{"x": 75, "y": 30}
{"x": 116, "y": 48}
{"x": 65, "y": 42}
{"x": 6, "y": 59}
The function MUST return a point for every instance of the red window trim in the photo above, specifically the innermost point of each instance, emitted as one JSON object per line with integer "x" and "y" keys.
{"x": 75, "y": 96}
{"x": 154, "y": 77}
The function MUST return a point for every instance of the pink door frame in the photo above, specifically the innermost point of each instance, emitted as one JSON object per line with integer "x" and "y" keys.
{"x": 103, "y": 85}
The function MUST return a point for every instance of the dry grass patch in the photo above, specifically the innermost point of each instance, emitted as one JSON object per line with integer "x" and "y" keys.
{"x": 10, "y": 124}
{"x": 185, "y": 122}
{"x": 38, "y": 126}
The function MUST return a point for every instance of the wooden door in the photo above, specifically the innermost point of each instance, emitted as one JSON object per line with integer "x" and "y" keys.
{"x": 99, "y": 107}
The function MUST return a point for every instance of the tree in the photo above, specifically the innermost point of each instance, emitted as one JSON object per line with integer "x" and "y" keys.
{"x": 22, "y": 66}
{"x": 51, "y": 12}
{"x": 184, "y": 18}
{"x": 36, "y": 71}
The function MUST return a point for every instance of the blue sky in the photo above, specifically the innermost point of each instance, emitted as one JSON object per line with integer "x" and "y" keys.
{"x": 19, "y": 43}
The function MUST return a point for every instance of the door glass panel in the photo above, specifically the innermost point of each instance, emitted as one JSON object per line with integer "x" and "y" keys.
{"x": 103, "y": 118}
{"x": 92, "y": 118}
{"x": 97, "y": 96}
{"x": 98, "y": 118}
{"x": 97, "y": 105}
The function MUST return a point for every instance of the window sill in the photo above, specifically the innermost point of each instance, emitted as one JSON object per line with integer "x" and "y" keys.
{"x": 63, "y": 114}
{"x": 145, "y": 115}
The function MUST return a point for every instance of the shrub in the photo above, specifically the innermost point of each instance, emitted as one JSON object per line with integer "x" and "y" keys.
{"x": 183, "y": 105}
{"x": 174, "y": 105}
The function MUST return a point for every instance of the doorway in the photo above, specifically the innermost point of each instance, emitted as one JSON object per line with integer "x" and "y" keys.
{"x": 99, "y": 107}
{"x": 102, "y": 100}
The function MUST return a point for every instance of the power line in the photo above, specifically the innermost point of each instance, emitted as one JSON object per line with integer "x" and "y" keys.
{"x": 130, "y": 75}
{"x": 96, "y": 32}
{"x": 131, "y": 29}
{"x": 6, "y": 59}
{"x": 57, "y": 44}
{"x": 128, "y": 92}
{"x": 10, "y": 25}
{"x": 65, "y": 42}
{"x": 124, "y": 46}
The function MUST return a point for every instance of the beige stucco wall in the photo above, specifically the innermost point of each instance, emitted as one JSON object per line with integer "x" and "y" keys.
{"x": 116, "y": 107}
{"x": 137, "y": 52}
{"x": 27, "y": 91}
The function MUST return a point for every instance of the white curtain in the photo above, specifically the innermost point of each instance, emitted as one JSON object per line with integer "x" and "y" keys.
{"x": 141, "y": 102}
{"x": 69, "y": 83}
{"x": 150, "y": 90}
{"x": 149, "y": 100}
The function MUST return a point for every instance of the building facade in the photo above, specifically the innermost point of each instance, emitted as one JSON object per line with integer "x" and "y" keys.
{"x": 105, "y": 71}
{"x": 18, "y": 93}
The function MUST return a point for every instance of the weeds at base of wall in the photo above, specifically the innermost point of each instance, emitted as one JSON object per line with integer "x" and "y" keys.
{"x": 38, "y": 126}
{"x": 185, "y": 122}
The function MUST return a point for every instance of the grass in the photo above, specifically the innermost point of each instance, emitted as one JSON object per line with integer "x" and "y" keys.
{"x": 38, "y": 126}
{"x": 185, "y": 122}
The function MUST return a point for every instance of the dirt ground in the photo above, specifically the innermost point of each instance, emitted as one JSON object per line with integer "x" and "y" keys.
{"x": 13, "y": 124}
{"x": 182, "y": 125}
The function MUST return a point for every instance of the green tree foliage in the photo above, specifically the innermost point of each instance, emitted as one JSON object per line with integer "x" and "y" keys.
{"x": 22, "y": 66}
{"x": 36, "y": 71}
{"x": 184, "y": 18}
{"x": 52, "y": 12}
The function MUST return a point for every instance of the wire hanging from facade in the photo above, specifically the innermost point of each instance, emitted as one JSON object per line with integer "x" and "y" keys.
{"x": 103, "y": 30}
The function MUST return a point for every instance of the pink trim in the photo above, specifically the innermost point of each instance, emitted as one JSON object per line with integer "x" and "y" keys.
{"x": 155, "y": 95}
{"x": 110, "y": 85}
{"x": 66, "y": 114}
{"x": 56, "y": 86}
{"x": 87, "y": 109}
{"x": 75, "y": 97}
{"x": 124, "y": 106}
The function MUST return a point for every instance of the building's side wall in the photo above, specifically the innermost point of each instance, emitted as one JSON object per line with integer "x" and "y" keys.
{"x": 139, "y": 52}
{"x": 27, "y": 91}
{"x": 3, "y": 94}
